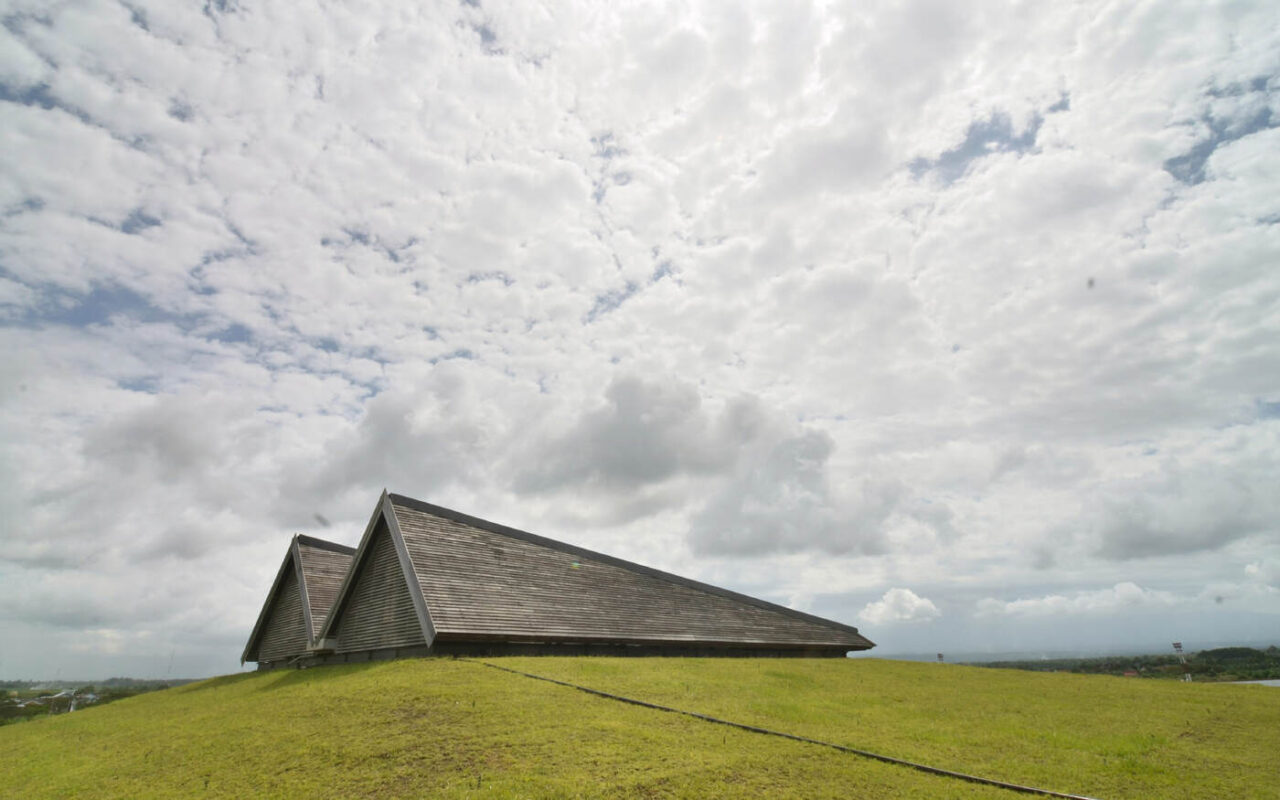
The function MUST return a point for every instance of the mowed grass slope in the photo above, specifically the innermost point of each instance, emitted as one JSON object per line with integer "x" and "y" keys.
{"x": 1084, "y": 734}
{"x": 439, "y": 727}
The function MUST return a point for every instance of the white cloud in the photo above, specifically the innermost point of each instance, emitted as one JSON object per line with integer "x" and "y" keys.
{"x": 1124, "y": 596}
{"x": 767, "y": 292}
{"x": 1266, "y": 573}
{"x": 899, "y": 606}
{"x": 1201, "y": 499}
{"x": 645, "y": 433}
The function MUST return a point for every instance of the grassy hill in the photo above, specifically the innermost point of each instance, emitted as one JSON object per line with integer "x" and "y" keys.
{"x": 437, "y": 727}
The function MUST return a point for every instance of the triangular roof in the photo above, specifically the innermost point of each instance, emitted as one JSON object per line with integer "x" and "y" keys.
{"x": 313, "y": 569}
{"x": 472, "y": 580}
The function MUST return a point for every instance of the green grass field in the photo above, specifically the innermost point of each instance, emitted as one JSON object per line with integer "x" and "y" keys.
{"x": 444, "y": 728}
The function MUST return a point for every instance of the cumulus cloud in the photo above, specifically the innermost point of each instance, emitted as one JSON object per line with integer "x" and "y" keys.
{"x": 1125, "y": 596}
{"x": 645, "y": 432}
{"x": 756, "y": 481}
{"x": 899, "y": 606}
{"x": 781, "y": 500}
{"x": 402, "y": 442}
{"x": 1265, "y": 572}
{"x": 805, "y": 293}
{"x": 1190, "y": 507}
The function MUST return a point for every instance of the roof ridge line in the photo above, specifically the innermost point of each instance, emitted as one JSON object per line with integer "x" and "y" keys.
{"x": 324, "y": 544}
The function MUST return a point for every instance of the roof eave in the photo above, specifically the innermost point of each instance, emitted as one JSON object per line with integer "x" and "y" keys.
{"x": 663, "y": 641}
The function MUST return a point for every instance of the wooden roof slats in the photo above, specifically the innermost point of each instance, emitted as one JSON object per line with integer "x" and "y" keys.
{"x": 324, "y": 565}
{"x": 380, "y": 611}
{"x": 423, "y": 573}
{"x": 299, "y": 600}
{"x": 483, "y": 579}
{"x": 285, "y": 633}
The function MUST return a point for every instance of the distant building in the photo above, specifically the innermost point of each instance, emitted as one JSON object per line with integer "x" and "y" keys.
{"x": 426, "y": 580}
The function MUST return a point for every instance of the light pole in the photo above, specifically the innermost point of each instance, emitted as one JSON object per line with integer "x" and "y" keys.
{"x": 1186, "y": 671}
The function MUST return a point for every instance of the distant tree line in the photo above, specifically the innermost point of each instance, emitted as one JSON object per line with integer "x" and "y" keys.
{"x": 23, "y": 700}
{"x": 1222, "y": 664}
{"x": 148, "y": 684}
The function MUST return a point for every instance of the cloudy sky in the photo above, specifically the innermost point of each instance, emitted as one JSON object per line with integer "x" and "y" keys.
{"x": 956, "y": 322}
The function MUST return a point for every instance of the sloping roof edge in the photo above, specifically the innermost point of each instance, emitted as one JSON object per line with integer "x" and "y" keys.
{"x": 456, "y": 516}
{"x": 290, "y": 559}
{"x": 383, "y": 511}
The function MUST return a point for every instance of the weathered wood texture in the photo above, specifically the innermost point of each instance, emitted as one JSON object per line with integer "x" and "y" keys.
{"x": 379, "y": 611}
{"x": 485, "y": 584}
{"x": 284, "y": 634}
{"x": 324, "y": 565}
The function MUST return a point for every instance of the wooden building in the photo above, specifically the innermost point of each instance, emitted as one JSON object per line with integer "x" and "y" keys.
{"x": 428, "y": 580}
{"x": 299, "y": 601}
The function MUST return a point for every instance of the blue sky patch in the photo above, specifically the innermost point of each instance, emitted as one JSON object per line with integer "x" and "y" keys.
{"x": 138, "y": 220}
{"x": 26, "y": 205}
{"x": 611, "y": 300}
{"x": 235, "y": 333}
{"x": 495, "y": 275}
{"x": 606, "y": 147}
{"x": 1189, "y": 167}
{"x": 1256, "y": 84}
{"x": 39, "y": 96}
{"x": 663, "y": 270}
{"x": 995, "y": 134}
{"x": 220, "y": 7}
{"x": 138, "y": 17}
{"x": 147, "y": 385}
{"x": 100, "y": 306}
{"x": 181, "y": 110}
{"x": 487, "y": 36}
{"x": 461, "y": 352}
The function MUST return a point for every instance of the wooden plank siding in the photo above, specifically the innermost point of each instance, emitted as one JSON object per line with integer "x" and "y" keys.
{"x": 285, "y": 633}
{"x": 428, "y": 580}
{"x": 484, "y": 582}
{"x": 299, "y": 601}
{"x": 378, "y": 612}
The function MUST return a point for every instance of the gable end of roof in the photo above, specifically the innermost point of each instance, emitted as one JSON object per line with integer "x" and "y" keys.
{"x": 289, "y": 562}
{"x": 383, "y": 512}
